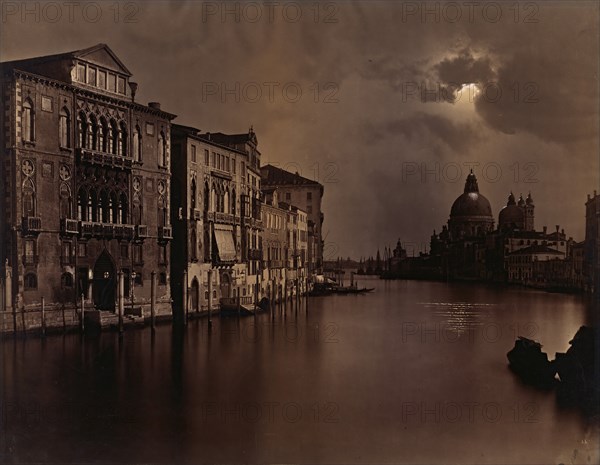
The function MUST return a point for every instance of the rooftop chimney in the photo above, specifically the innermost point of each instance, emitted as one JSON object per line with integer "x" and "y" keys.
{"x": 155, "y": 105}
{"x": 133, "y": 86}
{"x": 545, "y": 229}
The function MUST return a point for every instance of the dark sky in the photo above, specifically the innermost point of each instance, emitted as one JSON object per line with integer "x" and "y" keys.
{"x": 391, "y": 157}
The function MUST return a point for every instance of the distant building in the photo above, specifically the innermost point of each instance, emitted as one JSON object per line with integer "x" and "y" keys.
{"x": 592, "y": 243}
{"x": 285, "y": 246}
{"x": 85, "y": 190}
{"x": 305, "y": 194}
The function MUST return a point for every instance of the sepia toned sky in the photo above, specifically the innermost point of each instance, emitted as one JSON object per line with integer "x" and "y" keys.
{"x": 387, "y": 104}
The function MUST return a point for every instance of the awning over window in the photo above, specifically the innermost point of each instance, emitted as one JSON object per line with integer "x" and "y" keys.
{"x": 225, "y": 244}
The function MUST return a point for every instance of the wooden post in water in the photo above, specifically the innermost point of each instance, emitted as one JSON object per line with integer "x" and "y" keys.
{"x": 153, "y": 299}
{"x": 82, "y": 313}
{"x": 120, "y": 298}
{"x": 43, "y": 317}
{"x": 184, "y": 290}
{"x": 209, "y": 299}
{"x": 239, "y": 304}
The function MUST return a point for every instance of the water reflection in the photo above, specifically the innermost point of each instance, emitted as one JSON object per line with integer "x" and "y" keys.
{"x": 413, "y": 373}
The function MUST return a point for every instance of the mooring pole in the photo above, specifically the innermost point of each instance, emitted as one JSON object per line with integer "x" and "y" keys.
{"x": 82, "y": 313}
{"x": 120, "y": 299}
{"x": 153, "y": 299}
{"x": 209, "y": 299}
{"x": 43, "y": 317}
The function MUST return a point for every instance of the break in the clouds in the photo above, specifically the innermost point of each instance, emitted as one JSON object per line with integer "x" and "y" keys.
{"x": 376, "y": 125}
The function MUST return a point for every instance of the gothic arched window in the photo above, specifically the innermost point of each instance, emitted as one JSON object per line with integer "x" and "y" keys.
{"x": 93, "y": 133}
{"x": 137, "y": 144}
{"x": 113, "y": 208}
{"x": 114, "y": 138}
{"x": 193, "y": 195}
{"x": 193, "y": 243}
{"x": 28, "y": 121}
{"x": 206, "y": 197}
{"x": 233, "y": 201}
{"x": 82, "y": 205}
{"x": 93, "y": 206}
{"x": 64, "y": 128}
{"x": 136, "y": 210}
{"x": 162, "y": 149}
{"x": 123, "y": 140}
{"x": 82, "y": 129}
{"x": 28, "y": 198}
{"x": 122, "y": 209}
{"x": 104, "y": 207}
{"x": 103, "y": 136}
{"x": 65, "y": 201}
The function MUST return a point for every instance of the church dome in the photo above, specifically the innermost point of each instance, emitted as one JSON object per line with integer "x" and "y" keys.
{"x": 471, "y": 202}
{"x": 511, "y": 214}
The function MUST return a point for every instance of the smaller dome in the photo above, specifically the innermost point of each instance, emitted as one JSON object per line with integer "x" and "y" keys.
{"x": 511, "y": 199}
{"x": 529, "y": 200}
{"x": 521, "y": 201}
{"x": 511, "y": 215}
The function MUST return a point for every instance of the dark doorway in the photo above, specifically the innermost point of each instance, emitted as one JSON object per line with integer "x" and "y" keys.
{"x": 105, "y": 282}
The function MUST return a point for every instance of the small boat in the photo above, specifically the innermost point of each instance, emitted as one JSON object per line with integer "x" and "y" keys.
{"x": 529, "y": 362}
{"x": 352, "y": 290}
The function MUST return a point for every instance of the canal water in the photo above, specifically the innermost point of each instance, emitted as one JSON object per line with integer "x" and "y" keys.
{"x": 415, "y": 372}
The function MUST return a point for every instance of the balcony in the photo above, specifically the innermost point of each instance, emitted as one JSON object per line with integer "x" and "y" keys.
{"x": 165, "y": 233}
{"x": 255, "y": 254}
{"x": 226, "y": 218}
{"x": 141, "y": 231}
{"x": 29, "y": 260}
{"x": 69, "y": 226}
{"x": 102, "y": 158}
{"x": 107, "y": 230}
{"x": 253, "y": 223}
{"x": 32, "y": 225}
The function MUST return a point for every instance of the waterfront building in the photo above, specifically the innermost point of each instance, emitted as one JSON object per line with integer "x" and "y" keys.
{"x": 216, "y": 255}
{"x": 285, "y": 247}
{"x": 592, "y": 243}
{"x": 85, "y": 191}
{"x": 306, "y": 195}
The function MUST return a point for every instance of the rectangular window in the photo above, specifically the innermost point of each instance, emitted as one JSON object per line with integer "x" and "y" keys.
{"x": 162, "y": 279}
{"x": 137, "y": 254}
{"x": 288, "y": 196}
{"x": 91, "y": 78}
{"x": 112, "y": 82}
{"x": 124, "y": 251}
{"x": 309, "y": 209}
{"x": 214, "y": 160}
{"x": 102, "y": 79}
{"x": 206, "y": 157}
{"x": 29, "y": 252}
{"x": 81, "y": 249}
{"x": 121, "y": 88}
{"x": 193, "y": 154}
{"x": 233, "y": 165}
{"x": 309, "y": 196}
{"x": 67, "y": 250}
{"x": 162, "y": 255}
{"x": 227, "y": 164}
{"x": 81, "y": 72}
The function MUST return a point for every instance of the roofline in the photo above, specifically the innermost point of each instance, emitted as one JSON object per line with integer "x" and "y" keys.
{"x": 200, "y": 137}
{"x": 15, "y": 71}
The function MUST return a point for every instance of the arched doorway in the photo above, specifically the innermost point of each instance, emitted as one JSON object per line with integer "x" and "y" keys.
{"x": 105, "y": 282}
{"x": 225, "y": 285}
{"x": 195, "y": 293}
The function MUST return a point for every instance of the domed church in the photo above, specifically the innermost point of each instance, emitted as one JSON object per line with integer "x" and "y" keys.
{"x": 517, "y": 216}
{"x": 471, "y": 213}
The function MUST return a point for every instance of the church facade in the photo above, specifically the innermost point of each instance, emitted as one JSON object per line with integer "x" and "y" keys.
{"x": 85, "y": 193}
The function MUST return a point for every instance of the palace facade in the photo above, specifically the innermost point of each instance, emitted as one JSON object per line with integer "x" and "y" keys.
{"x": 85, "y": 192}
